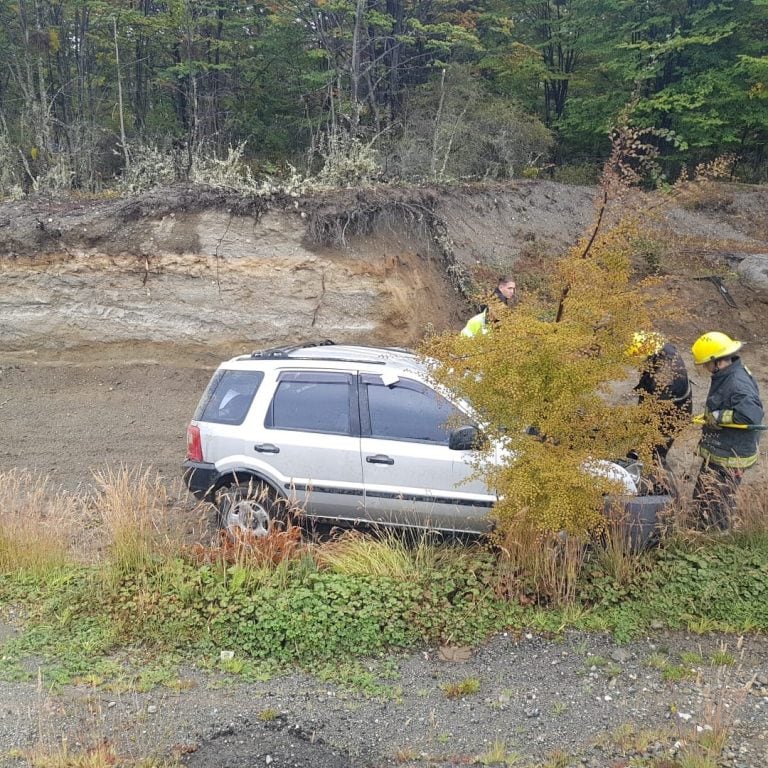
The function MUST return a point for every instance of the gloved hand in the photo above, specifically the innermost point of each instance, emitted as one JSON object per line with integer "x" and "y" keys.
{"x": 712, "y": 418}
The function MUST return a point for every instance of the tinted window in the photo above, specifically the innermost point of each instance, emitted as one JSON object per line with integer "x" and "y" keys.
{"x": 409, "y": 411}
{"x": 311, "y": 402}
{"x": 228, "y": 397}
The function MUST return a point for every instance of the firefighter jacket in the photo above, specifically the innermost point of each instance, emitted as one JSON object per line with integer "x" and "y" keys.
{"x": 734, "y": 395}
{"x": 665, "y": 377}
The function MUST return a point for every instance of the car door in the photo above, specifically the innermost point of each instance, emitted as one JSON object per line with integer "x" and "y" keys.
{"x": 312, "y": 438}
{"x": 411, "y": 476}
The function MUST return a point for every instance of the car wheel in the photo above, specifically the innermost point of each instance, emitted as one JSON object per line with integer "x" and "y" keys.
{"x": 250, "y": 507}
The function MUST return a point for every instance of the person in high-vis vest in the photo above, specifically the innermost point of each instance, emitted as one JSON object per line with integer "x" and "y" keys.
{"x": 505, "y": 294}
{"x": 476, "y": 324}
{"x": 729, "y": 435}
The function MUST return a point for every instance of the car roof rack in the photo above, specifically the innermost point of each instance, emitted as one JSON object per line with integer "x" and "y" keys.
{"x": 280, "y": 352}
{"x": 339, "y": 353}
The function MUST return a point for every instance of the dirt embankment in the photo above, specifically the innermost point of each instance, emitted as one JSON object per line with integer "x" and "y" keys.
{"x": 113, "y": 313}
{"x": 192, "y": 266}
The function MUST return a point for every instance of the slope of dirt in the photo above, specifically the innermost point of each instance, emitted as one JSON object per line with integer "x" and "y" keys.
{"x": 113, "y": 314}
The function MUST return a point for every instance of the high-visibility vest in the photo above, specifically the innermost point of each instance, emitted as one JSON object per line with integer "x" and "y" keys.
{"x": 476, "y": 324}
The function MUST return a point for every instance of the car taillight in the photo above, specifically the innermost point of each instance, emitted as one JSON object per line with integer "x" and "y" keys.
{"x": 194, "y": 444}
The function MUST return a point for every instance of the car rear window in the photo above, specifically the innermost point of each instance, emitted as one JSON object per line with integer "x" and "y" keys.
{"x": 228, "y": 396}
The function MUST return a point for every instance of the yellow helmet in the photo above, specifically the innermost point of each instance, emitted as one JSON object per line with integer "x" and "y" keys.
{"x": 645, "y": 343}
{"x": 714, "y": 346}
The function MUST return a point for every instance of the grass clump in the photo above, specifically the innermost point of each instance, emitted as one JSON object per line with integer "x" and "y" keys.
{"x": 133, "y": 507}
{"x": 498, "y": 754}
{"x": 458, "y": 690}
{"x": 37, "y": 524}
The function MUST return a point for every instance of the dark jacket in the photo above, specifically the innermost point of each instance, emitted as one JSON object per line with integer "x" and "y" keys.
{"x": 734, "y": 393}
{"x": 665, "y": 377}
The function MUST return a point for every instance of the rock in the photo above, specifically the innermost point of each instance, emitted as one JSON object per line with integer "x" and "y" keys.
{"x": 754, "y": 270}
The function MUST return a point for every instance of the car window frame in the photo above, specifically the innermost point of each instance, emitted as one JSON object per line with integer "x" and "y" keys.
{"x": 219, "y": 377}
{"x": 365, "y": 414}
{"x": 311, "y": 376}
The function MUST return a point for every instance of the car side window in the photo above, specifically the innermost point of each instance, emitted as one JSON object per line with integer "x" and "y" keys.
{"x": 311, "y": 402}
{"x": 228, "y": 397}
{"x": 408, "y": 410}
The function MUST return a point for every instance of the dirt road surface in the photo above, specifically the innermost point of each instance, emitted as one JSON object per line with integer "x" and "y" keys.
{"x": 80, "y": 412}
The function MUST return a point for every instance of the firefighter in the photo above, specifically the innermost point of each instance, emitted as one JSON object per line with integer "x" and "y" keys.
{"x": 730, "y": 429}
{"x": 665, "y": 378}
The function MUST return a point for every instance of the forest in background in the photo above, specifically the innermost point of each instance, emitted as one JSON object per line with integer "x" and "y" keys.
{"x": 131, "y": 93}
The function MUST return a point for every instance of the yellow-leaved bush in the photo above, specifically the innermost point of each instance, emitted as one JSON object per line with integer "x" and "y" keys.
{"x": 551, "y": 364}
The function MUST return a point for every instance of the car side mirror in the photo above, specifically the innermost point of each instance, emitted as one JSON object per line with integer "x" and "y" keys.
{"x": 464, "y": 438}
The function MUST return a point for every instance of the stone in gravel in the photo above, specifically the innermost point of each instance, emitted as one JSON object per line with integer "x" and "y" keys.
{"x": 619, "y": 655}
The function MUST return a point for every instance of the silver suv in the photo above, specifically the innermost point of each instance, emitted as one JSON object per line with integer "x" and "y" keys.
{"x": 348, "y": 434}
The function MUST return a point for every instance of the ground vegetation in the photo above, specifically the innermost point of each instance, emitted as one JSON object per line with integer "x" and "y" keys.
{"x": 148, "y": 609}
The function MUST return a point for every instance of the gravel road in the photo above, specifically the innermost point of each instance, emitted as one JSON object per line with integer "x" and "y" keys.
{"x": 580, "y": 697}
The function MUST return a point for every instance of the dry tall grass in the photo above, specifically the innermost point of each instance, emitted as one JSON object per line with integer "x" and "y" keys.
{"x": 386, "y": 554}
{"x": 133, "y": 505}
{"x": 749, "y": 518}
{"x": 37, "y": 523}
{"x": 616, "y": 553}
{"x": 535, "y": 566}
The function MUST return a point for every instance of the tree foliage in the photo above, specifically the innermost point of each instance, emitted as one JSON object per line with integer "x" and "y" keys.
{"x": 533, "y": 371}
{"x": 80, "y": 80}
{"x": 542, "y": 378}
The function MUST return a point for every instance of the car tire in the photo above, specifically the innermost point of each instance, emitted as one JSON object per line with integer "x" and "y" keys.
{"x": 252, "y": 506}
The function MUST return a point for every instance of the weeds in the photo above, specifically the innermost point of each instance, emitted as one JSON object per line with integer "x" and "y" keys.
{"x": 498, "y": 754}
{"x": 460, "y": 689}
{"x": 37, "y": 524}
{"x": 133, "y": 507}
{"x": 675, "y": 673}
{"x": 702, "y": 746}
{"x": 539, "y": 567}
{"x": 244, "y": 548}
{"x": 722, "y": 658}
{"x": 101, "y": 754}
{"x": 388, "y": 555}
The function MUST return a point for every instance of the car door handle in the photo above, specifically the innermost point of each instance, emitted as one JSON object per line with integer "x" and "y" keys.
{"x": 266, "y": 448}
{"x": 379, "y": 458}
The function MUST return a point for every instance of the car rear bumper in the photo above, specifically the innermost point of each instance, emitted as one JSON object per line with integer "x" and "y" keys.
{"x": 200, "y": 477}
{"x": 642, "y": 517}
